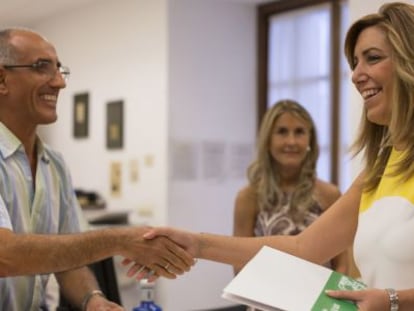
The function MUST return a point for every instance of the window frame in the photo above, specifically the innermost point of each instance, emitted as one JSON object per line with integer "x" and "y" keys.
{"x": 264, "y": 13}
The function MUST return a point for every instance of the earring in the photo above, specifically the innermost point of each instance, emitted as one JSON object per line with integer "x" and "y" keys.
{"x": 308, "y": 148}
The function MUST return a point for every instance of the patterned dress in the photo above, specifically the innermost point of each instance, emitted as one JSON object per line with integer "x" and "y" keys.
{"x": 279, "y": 222}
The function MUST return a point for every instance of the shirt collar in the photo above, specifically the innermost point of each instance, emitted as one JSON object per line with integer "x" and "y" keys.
{"x": 10, "y": 144}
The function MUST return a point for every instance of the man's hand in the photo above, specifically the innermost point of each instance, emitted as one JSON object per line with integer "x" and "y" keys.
{"x": 186, "y": 239}
{"x": 158, "y": 255}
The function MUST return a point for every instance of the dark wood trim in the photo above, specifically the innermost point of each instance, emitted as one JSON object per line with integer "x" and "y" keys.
{"x": 287, "y": 5}
{"x": 262, "y": 63}
{"x": 335, "y": 89}
{"x": 264, "y": 12}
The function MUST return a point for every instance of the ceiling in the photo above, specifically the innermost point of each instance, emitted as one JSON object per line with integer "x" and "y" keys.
{"x": 26, "y": 12}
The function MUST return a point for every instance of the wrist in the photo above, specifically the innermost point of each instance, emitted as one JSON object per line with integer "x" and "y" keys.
{"x": 88, "y": 297}
{"x": 394, "y": 299}
{"x": 202, "y": 245}
{"x": 121, "y": 239}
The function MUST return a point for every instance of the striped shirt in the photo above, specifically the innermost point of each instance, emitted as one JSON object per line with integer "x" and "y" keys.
{"x": 47, "y": 205}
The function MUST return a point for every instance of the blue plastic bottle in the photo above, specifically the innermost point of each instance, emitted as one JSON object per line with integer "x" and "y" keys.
{"x": 147, "y": 297}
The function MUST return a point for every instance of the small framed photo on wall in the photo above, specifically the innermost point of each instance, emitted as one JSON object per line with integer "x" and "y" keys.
{"x": 114, "y": 124}
{"x": 80, "y": 115}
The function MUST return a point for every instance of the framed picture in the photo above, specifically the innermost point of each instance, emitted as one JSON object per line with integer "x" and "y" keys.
{"x": 114, "y": 124}
{"x": 80, "y": 115}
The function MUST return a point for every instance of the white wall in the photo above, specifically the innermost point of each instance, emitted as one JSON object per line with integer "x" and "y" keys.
{"x": 212, "y": 78}
{"x": 116, "y": 50}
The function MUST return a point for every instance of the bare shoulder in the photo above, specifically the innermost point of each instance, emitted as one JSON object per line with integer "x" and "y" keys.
{"x": 245, "y": 212}
{"x": 326, "y": 193}
{"x": 246, "y": 194}
{"x": 246, "y": 198}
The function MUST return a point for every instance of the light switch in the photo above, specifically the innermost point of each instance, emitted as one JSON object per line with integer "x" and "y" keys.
{"x": 133, "y": 171}
{"x": 116, "y": 177}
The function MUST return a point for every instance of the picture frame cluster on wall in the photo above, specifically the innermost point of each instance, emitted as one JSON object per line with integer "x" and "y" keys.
{"x": 114, "y": 120}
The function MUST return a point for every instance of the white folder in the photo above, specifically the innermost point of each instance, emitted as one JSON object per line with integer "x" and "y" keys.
{"x": 274, "y": 280}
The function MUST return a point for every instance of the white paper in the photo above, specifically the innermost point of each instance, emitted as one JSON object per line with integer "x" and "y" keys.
{"x": 275, "y": 280}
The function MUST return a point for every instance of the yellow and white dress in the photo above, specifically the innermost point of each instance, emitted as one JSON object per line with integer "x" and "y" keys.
{"x": 384, "y": 242}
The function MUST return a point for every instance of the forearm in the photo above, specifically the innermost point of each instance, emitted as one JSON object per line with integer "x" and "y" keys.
{"x": 341, "y": 263}
{"x": 237, "y": 251}
{"x": 56, "y": 253}
{"x": 76, "y": 284}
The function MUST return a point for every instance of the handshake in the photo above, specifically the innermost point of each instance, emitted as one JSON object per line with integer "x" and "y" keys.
{"x": 154, "y": 252}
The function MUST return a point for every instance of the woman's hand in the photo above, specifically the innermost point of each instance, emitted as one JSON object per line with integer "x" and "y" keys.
{"x": 186, "y": 239}
{"x": 366, "y": 300}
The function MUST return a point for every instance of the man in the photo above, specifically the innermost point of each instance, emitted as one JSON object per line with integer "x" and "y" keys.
{"x": 39, "y": 221}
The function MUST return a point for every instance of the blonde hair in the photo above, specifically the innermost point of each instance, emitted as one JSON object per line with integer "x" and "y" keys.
{"x": 397, "y": 21}
{"x": 264, "y": 175}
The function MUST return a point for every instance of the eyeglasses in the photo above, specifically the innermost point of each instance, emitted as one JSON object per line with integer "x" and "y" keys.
{"x": 45, "y": 67}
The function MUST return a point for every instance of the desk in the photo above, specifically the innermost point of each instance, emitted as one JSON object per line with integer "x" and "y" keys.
{"x": 104, "y": 216}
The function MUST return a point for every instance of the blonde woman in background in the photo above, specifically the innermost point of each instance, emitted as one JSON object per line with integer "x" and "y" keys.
{"x": 284, "y": 194}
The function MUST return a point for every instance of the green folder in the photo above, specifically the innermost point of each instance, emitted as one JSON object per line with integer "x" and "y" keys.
{"x": 337, "y": 281}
